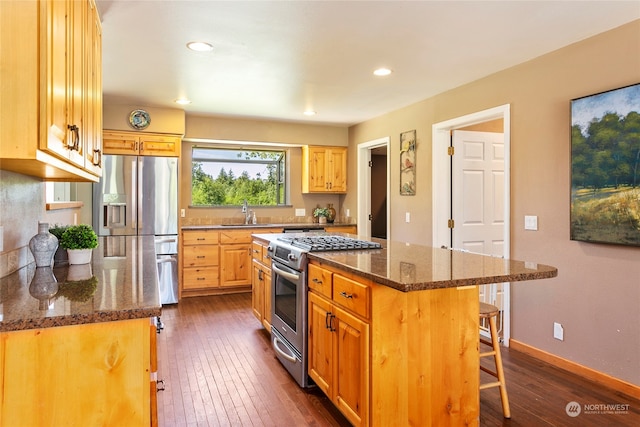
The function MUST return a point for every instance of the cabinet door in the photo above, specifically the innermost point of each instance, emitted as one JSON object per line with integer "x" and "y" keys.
{"x": 159, "y": 145}
{"x": 92, "y": 113}
{"x": 235, "y": 265}
{"x": 266, "y": 315}
{"x": 321, "y": 343}
{"x": 351, "y": 356}
{"x": 317, "y": 169}
{"x": 58, "y": 30}
{"x": 119, "y": 143}
{"x": 257, "y": 291}
{"x": 337, "y": 170}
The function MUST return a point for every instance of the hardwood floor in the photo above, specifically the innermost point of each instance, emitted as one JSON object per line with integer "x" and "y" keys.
{"x": 219, "y": 370}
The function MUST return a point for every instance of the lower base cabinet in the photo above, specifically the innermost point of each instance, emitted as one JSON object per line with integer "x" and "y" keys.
{"x": 391, "y": 358}
{"x": 96, "y": 374}
{"x": 338, "y": 358}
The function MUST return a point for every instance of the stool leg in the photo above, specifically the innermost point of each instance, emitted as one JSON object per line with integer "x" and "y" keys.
{"x": 506, "y": 411}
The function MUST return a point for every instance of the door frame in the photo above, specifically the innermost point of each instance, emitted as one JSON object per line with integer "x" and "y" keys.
{"x": 441, "y": 185}
{"x": 364, "y": 185}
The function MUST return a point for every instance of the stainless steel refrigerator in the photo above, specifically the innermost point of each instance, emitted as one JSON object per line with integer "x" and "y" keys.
{"x": 138, "y": 195}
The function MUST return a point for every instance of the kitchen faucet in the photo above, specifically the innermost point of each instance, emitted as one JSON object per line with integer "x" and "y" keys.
{"x": 246, "y": 212}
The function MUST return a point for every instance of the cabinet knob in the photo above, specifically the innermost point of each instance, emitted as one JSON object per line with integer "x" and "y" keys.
{"x": 346, "y": 295}
{"x": 160, "y": 385}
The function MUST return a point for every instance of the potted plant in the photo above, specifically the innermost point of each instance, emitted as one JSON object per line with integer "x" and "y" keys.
{"x": 321, "y": 214}
{"x": 79, "y": 241}
{"x": 61, "y": 253}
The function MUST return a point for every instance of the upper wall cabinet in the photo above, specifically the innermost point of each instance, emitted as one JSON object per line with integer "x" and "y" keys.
{"x": 141, "y": 143}
{"x": 324, "y": 169}
{"x": 51, "y": 103}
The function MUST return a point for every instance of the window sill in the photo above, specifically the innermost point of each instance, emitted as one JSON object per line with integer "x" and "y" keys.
{"x": 52, "y": 206}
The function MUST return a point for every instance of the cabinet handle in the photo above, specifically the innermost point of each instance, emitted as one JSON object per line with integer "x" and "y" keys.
{"x": 135, "y": 146}
{"x": 346, "y": 295}
{"x": 97, "y": 157}
{"x": 201, "y": 238}
{"x": 331, "y": 319}
{"x": 260, "y": 275}
{"x": 201, "y": 256}
{"x": 200, "y": 278}
{"x": 141, "y": 146}
{"x": 315, "y": 280}
{"x": 327, "y": 320}
{"x": 255, "y": 251}
{"x": 75, "y": 137}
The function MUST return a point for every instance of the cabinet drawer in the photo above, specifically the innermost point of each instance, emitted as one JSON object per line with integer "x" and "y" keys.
{"x": 200, "y": 255}
{"x": 198, "y": 278}
{"x": 257, "y": 251}
{"x": 319, "y": 280}
{"x": 243, "y": 236}
{"x": 200, "y": 237}
{"x": 351, "y": 295}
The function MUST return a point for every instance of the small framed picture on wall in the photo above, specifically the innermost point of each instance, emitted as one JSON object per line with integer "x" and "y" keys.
{"x": 408, "y": 163}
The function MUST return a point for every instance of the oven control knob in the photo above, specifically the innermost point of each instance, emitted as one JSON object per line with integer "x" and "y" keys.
{"x": 269, "y": 248}
{"x": 292, "y": 257}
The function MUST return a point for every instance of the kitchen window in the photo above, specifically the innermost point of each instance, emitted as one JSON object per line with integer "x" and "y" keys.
{"x": 227, "y": 177}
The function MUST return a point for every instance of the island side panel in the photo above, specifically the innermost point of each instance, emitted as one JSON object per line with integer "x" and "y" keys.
{"x": 425, "y": 365}
{"x": 83, "y": 375}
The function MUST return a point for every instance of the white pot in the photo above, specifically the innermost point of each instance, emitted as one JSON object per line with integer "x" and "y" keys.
{"x": 322, "y": 219}
{"x": 79, "y": 256}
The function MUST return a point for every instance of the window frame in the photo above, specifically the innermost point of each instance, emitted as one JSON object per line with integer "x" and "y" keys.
{"x": 280, "y": 164}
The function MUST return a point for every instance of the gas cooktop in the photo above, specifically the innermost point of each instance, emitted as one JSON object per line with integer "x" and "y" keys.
{"x": 329, "y": 243}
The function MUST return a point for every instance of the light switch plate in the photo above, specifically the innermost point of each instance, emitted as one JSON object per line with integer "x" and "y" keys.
{"x": 407, "y": 216}
{"x": 530, "y": 222}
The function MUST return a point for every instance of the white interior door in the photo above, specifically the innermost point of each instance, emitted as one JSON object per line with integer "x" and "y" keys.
{"x": 475, "y": 196}
{"x": 478, "y": 201}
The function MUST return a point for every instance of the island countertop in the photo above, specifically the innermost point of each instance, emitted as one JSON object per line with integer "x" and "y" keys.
{"x": 409, "y": 267}
{"x": 123, "y": 273}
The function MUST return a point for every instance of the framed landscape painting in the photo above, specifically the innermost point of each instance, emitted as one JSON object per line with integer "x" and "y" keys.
{"x": 605, "y": 167}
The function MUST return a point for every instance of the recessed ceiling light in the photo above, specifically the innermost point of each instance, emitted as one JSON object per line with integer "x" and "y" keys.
{"x": 200, "y": 46}
{"x": 382, "y": 72}
{"x": 309, "y": 113}
{"x": 182, "y": 101}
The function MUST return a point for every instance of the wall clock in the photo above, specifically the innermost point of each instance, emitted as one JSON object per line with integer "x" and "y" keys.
{"x": 139, "y": 119}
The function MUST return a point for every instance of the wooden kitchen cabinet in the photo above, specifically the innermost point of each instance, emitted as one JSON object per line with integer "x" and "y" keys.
{"x": 141, "y": 143}
{"x": 382, "y": 355}
{"x": 51, "y": 89}
{"x": 349, "y": 229}
{"x": 339, "y": 341}
{"x": 200, "y": 260}
{"x": 324, "y": 169}
{"x": 261, "y": 283}
{"x": 79, "y": 375}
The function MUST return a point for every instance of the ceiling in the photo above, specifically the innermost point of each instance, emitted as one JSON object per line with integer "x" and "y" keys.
{"x": 275, "y": 59}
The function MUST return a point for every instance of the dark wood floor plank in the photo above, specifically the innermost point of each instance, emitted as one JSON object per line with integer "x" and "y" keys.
{"x": 220, "y": 370}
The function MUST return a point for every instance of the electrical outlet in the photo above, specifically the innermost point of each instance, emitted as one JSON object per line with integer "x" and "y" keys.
{"x": 348, "y": 212}
{"x": 182, "y": 213}
{"x": 558, "y": 331}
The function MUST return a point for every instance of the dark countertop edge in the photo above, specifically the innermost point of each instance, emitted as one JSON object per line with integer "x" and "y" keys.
{"x": 288, "y": 225}
{"x": 74, "y": 319}
{"x": 421, "y": 286}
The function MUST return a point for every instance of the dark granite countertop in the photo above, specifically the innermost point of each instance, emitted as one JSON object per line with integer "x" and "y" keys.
{"x": 123, "y": 273}
{"x": 409, "y": 267}
{"x": 286, "y": 226}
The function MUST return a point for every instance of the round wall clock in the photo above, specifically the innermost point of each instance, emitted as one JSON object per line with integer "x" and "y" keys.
{"x": 139, "y": 119}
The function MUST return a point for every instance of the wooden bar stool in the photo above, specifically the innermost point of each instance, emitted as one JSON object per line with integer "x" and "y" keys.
{"x": 490, "y": 312}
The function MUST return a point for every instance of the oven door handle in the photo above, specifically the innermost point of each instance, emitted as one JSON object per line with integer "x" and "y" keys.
{"x": 290, "y": 357}
{"x": 286, "y": 274}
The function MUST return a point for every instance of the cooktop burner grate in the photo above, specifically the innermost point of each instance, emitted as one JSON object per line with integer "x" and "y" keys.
{"x": 329, "y": 243}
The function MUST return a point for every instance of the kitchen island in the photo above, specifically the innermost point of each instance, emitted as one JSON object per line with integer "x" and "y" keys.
{"x": 394, "y": 332}
{"x": 77, "y": 343}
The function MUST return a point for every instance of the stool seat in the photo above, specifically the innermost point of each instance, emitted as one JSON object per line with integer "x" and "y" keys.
{"x": 490, "y": 312}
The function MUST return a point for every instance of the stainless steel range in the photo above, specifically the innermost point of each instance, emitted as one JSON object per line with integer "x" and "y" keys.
{"x": 289, "y": 293}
